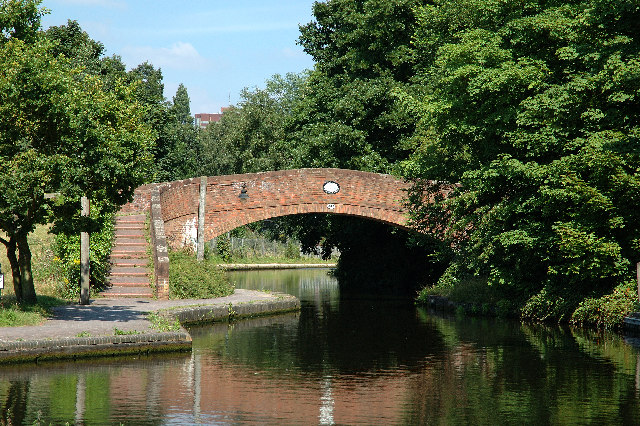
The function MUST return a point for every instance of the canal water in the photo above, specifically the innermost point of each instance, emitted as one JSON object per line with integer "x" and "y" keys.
{"x": 343, "y": 360}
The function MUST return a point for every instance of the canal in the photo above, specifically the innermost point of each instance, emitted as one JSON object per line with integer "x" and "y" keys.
{"x": 356, "y": 359}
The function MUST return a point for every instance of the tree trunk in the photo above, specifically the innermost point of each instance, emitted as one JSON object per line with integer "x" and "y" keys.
{"x": 15, "y": 268}
{"x": 26, "y": 277}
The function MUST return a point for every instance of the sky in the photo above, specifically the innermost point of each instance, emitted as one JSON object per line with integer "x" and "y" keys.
{"x": 215, "y": 48}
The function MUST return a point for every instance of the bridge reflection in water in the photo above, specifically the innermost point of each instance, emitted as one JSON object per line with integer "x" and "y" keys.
{"x": 399, "y": 365}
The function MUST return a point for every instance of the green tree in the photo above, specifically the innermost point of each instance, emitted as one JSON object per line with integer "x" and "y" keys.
{"x": 533, "y": 107}
{"x": 363, "y": 52}
{"x": 177, "y": 146}
{"x": 348, "y": 118}
{"x": 60, "y": 131}
{"x": 76, "y": 45}
{"x": 181, "y": 108}
{"x": 253, "y": 136}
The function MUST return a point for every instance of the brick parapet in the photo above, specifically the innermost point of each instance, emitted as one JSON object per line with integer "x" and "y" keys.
{"x": 140, "y": 202}
{"x": 278, "y": 193}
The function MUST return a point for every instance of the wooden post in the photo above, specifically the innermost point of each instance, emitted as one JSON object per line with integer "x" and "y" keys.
{"x": 201, "y": 203}
{"x": 638, "y": 278}
{"x": 84, "y": 256}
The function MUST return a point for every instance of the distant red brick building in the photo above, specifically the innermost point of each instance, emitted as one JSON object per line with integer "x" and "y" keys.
{"x": 202, "y": 120}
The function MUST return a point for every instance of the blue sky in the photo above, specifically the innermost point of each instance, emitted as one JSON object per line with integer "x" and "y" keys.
{"x": 215, "y": 48}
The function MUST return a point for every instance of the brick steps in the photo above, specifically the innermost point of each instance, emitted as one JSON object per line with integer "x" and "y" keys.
{"x": 130, "y": 275}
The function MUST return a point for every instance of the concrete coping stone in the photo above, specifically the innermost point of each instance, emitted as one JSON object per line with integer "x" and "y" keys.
{"x": 36, "y": 346}
{"x": 97, "y": 340}
{"x": 257, "y": 266}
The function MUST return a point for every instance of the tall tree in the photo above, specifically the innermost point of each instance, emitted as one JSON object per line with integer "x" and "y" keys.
{"x": 363, "y": 53}
{"x": 533, "y": 106}
{"x": 253, "y": 136}
{"x": 178, "y": 154}
{"x": 59, "y": 132}
{"x": 181, "y": 108}
{"x": 76, "y": 45}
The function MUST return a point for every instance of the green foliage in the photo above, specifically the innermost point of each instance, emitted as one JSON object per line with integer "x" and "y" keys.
{"x": 292, "y": 250}
{"x": 67, "y": 249}
{"x": 549, "y": 305}
{"x": 20, "y": 19}
{"x": 253, "y": 136}
{"x": 609, "y": 310}
{"x": 163, "y": 322}
{"x": 190, "y": 279}
{"x": 178, "y": 153}
{"x": 223, "y": 247}
{"x": 61, "y": 131}
{"x": 348, "y": 118}
{"x": 532, "y": 106}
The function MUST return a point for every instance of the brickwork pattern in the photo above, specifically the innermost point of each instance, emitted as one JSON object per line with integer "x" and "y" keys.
{"x": 279, "y": 193}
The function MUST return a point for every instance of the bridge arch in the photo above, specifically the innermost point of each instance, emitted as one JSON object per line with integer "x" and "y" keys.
{"x": 267, "y": 195}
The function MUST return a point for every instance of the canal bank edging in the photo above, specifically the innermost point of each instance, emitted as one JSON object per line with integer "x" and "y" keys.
{"x": 204, "y": 314}
{"x": 36, "y": 346}
{"x": 84, "y": 347}
{"x": 260, "y": 266}
{"x": 632, "y": 323}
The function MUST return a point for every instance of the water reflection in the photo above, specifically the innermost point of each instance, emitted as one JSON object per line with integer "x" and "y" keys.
{"x": 343, "y": 360}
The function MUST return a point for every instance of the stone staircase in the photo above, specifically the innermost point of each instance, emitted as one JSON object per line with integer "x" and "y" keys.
{"x": 130, "y": 275}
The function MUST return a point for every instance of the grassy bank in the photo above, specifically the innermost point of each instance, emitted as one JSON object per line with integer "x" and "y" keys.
{"x": 13, "y": 314}
{"x": 474, "y": 296}
{"x": 254, "y": 260}
{"x": 47, "y": 270}
{"x": 48, "y": 277}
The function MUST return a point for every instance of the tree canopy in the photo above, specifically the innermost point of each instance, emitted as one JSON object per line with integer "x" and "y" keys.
{"x": 60, "y": 132}
{"x": 533, "y": 106}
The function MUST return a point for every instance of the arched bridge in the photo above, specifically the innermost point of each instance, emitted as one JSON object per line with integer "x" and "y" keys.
{"x": 235, "y": 200}
{"x": 179, "y": 218}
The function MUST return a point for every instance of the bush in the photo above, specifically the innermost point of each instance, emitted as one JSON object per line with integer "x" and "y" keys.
{"x": 607, "y": 311}
{"x": 292, "y": 251}
{"x": 547, "y": 305}
{"x": 190, "y": 279}
{"x": 223, "y": 247}
{"x": 67, "y": 250}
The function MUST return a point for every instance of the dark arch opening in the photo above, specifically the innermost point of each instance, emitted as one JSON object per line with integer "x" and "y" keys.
{"x": 375, "y": 257}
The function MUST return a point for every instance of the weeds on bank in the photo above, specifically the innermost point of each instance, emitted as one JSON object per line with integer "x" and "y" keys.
{"x": 607, "y": 311}
{"x": 271, "y": 259}
{"x": 162, "y": 322}
{"x": 118, "y": 332}
{"x": 191, "y": 279}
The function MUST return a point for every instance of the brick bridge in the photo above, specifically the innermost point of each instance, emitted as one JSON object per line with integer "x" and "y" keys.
{"x": 272, "y": 194}
{"x": 235, "y": 200}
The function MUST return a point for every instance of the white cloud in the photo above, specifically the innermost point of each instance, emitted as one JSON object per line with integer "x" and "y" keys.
{"x": 180, "y": 56}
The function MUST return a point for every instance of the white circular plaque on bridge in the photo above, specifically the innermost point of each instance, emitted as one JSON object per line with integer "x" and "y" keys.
{"x": 331, "y": 187}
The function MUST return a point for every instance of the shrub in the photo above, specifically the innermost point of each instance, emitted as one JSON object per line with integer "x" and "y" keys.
{"x": 292, "y": 251}
{"x": 607, "y": 311}
{"x": 67, "y": 250}
{"x": 547, "y": 305}
{"x": 190, "y": 279}
{"x": 223, "y": 247}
